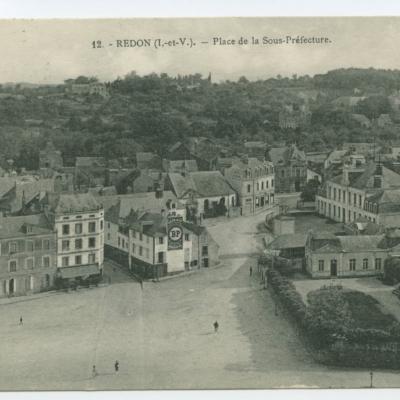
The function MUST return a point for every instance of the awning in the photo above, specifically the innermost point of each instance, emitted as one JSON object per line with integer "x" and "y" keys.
{"x": 79, "y": 271}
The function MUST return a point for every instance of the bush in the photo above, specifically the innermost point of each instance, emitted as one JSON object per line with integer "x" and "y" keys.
{"x": 288, "y": 295}
{"x": 391, "y": 274}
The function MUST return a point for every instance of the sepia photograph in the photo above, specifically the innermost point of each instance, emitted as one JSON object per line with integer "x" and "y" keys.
{"x": 200, "y": 203}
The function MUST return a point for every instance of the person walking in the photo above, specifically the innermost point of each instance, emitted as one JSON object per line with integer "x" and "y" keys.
{"x": 216, "y": 326}
{"x": 94, "y": 371}
{"x": 251, "y": 270}
{"x": 141, "y": 283}
{"x": 21, "y": 321}
{"x": 116, "y": 366}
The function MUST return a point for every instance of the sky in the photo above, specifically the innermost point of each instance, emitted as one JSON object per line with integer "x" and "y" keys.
{"x": 50, "y": 51}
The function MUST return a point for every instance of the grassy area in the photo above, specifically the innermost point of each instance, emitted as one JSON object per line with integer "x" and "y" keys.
{"x": 366, "y": 312}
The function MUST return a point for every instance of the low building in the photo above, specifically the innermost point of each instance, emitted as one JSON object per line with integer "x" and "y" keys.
{"x": 291, "y": 246}
{"x": 345, "y": 256}
{"x": 254, "y": 182}
{"x": 28, "y": 258}
{"x": 206, "y": 194}
{"x": 78, "y": 219}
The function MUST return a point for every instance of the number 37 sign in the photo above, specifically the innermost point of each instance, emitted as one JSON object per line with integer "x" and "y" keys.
{"x": 175, "y": 233}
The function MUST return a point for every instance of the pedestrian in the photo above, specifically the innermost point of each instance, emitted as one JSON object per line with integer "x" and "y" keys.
{"x": 141, "y": 283}
{"x": 251, "y": 270}
{"x": 116, "y": 366}
{"x": 216, "y": 325}
{"x": 20, "y": 321}
{"x": 94, "y": 371}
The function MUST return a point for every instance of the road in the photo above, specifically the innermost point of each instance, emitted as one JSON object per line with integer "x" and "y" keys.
{"x": 163, "y": 335}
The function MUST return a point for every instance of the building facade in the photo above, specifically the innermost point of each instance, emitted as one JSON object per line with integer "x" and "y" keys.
{"x": 28, "y": 258}
{"x": 290, "y": 166}
{"x": 345, "y": 256}
{"x": 78, "y": 220}
{"x": 254, "y": 181}
{"x": 370, "y": 191}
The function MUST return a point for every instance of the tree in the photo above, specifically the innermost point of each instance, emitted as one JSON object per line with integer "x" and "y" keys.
{"x": 310, "y": 190}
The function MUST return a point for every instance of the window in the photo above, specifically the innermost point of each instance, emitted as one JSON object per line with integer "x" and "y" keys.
{"x": 29, "y": 263}
{"x": 46, "y": 261}
{"x": 160, "y": 257}
{"x": 108, "y": 236}
{"x": 161, "y": 240}
{"x": 78, "y": 228}
{"x": 78, "y": 244}
{"x": 78, "y": 260}
{"x": 12, "y": 265}
{"x": 119, "y": 241}
{"x": 140, "y": 250}
{"x": 133, "y": 247}
{"x": 46, "y": 244}
{"x": 344, "y": 196}
{"x": 92, "y": 258}
{"x": 359, "y": 200}
{"x": 352, "y": 264}
{"x": 378, "y": 264}
{"x": 140, "y": 236}
{"x": 101, "y": 224}
{"x": 13, "y": 247}
{"x": 65, "y": 245}
{"x": 365, "y": 263}
{"x": 186, "y": 237}
{"x": 272, "y": 183}
{"x": 29, "y": 246}
{"x": 354, "y": 199}
{"x": 147, "y": 253}
{"x": 204, "y": 251}
{"x": 92, "y": 242}
{"x": 92, "y": 227}
{"x": 321, "y": 265}
{"x": 65, "y": 261}
{"x": 262, "y": 185}
{"x": 248, "y": 188}
{"x": 65, "y": 229}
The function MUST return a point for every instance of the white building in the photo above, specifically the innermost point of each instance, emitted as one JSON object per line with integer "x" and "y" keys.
{"x": 79, "y": 223}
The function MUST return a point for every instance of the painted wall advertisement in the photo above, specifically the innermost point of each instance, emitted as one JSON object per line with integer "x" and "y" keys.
{"x": 175, "y": 233}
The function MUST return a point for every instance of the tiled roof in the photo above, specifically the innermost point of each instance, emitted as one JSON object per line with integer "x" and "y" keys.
{"x": 74, "y": 202}
{"x": 182, "y": 165}
{"x": 13, "y": 226}
{"x": 360, "y": 242}
{"x": 204, "y": 184}
{"x": 288, "y": 241}
{"x": 120, "y": 206}
{"x": 283, "y": 155}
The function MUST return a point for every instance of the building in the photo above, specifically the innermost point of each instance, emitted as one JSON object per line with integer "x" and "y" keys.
{"x": 151, "y": 254}
{"x": 333, "y": 256}
{"x": 180, "y": 166}
{"x": 28, "y": 258}
{"x": 83, "y": 89}
{"x": 90, "y": 171}
{"x": 371, "y": 191}
{"x": 290, "y": 167}
{"x": 120, "y": 207}
{"x": 78, "y": 220}
{"x": 148, "y": 160}
{"x": 206, "y": 194}
{"x": 256, "y": 149}
{"x": 49, "y": 157}
{"x": 254, "y": 182}
{"x": 294, "y": 116}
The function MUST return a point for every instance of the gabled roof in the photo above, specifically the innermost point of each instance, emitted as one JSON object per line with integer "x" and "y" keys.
{"x": 283, "y": 155}
{"x": 360, "y": 242}
{"x": 203, "y": 184}
{"x": 288, "y": 241}
{"x": 14, "y": 226}
{"x": 182, "y": 165}
{"x": 120, "y": 206}
{"x": 72, "y": 202}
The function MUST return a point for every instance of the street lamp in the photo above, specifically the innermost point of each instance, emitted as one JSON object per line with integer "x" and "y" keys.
{"x": 371, "y": 374}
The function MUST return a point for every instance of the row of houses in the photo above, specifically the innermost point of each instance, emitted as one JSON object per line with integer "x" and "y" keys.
{"x": 64, "y": 241}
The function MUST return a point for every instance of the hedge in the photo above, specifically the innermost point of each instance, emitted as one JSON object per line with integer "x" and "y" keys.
{"x": 352, "y": 347}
